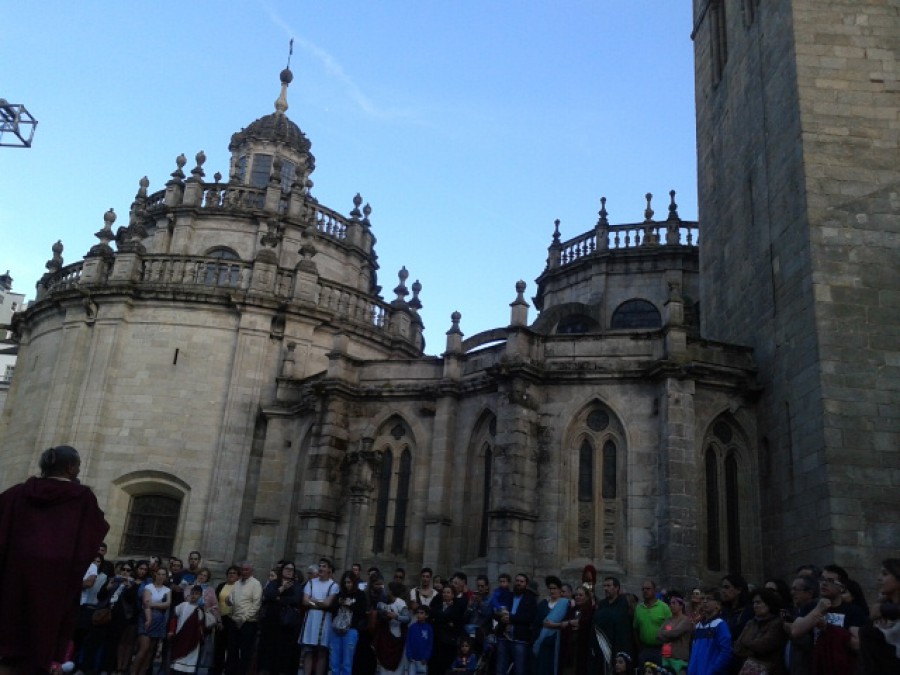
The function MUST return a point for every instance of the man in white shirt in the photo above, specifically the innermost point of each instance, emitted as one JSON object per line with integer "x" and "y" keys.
{"x": 245, "y": 599}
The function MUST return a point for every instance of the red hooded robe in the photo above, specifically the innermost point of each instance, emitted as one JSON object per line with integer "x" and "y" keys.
{"x": 49, "y": 534}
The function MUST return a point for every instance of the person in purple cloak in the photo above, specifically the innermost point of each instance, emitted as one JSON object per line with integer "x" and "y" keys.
{"x": 50, "y": 528}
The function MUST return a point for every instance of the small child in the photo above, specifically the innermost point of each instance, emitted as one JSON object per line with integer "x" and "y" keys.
{"x": 622, "y": 664}
{"x": 466, "y": 661}
{"x": 419, "y": 642}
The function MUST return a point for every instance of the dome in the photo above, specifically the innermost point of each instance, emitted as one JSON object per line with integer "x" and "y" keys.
{"x": 275, "y": 127}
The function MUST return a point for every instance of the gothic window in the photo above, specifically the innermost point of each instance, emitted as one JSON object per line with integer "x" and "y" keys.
{"x": 725, "y": 479}
{"x": 394, "y": 481}
{"x": 636, "y": 314}
{"x": 402, "y": 502}
{"x": 713, "y": 546}
{"x": 384, "y": 496}
{"x": 223, "y": 271}
{"x": 151, "y": 525}
{"x": 475, "y": 490}
{"x": 262, "y": 167}
{"x": 595, "y": 526}
{"x": 485, "y": 500}
{"x": 718, "y": 39}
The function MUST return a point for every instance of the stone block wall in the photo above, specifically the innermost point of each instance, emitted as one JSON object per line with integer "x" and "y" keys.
{"x": 797, "y": 152}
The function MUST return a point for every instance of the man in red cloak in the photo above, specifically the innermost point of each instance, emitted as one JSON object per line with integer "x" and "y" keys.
{"x": 50, "y": 528}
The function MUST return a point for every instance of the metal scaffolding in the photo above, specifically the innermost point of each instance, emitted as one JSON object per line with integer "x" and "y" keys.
{"x": 15, "y": 120}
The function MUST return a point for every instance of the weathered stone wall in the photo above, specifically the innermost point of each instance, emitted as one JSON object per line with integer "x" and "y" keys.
{"x": 797, "y": 156}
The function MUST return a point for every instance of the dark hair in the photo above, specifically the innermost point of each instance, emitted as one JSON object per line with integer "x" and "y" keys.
{"x": 714, "y": 593}
{"x": 397, "y": 589}
{"x": 197, "y": 589}
{"x": 783, "y": 590}
{"x": 343, "y": 588}
{"x": 233, "y": 568}
{"x": 505, "y": 575}
{"x": 739, "y": 583}
{"x": 522, "y": 574}
{"x": 193, "y": 552}
{"x": 552, "y": 580}
{"x": 328, "y": 562}
{"x": 426, "y": 569}
{"x": 482, "y": 577}
{"x": 840, "y": 571}
{"x": 770, "y": 599}
{"x": 461, "y": 576}
{"x": 814, "y": 568}
{"x": 615, "y": 582}
{"x": 401, "y": 570}
{"x": 56, "y": 461}
{"x": 423, "y": 608}
{"x": 810, "y": 585}
{"x": 859, "y": 597}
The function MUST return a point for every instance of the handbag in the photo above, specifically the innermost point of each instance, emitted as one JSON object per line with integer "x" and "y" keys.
{"x": 101, "y": 616}
{"x": 290, "y": 616}
{"x": 753, "y": 667}
{"x": 343, "y": 621}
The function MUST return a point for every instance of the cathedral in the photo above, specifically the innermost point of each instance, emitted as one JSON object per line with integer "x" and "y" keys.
{"x": 670, "y": 398}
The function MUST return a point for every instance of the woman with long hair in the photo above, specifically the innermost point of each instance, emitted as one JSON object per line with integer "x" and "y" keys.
{"x": 281, "y": 626}
{"x": 879, "y": 638}
{"x": 349, "y": 621}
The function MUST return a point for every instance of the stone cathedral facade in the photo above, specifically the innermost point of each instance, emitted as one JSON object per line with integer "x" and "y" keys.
{"x": 238, "y": 383}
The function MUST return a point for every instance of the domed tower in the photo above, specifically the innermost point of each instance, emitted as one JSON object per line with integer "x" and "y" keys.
{"x": 159, "y": 352}
{"x": 273, "y": 147}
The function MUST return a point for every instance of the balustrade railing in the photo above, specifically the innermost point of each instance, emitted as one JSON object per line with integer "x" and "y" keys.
{"x": 328, "y": 222}
{"x": 619, "y": 237}
{"x": 198, "y": 271}
{"x": 65, "y": 277}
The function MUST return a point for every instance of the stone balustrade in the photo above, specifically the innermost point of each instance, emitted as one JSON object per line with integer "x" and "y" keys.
{"x": 629, "y": 236}
{"x": 191, "y": 273}
{"x": 218, "y": 196}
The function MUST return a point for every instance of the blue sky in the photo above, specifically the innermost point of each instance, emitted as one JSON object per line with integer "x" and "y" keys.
{"x": 469, "y": 126}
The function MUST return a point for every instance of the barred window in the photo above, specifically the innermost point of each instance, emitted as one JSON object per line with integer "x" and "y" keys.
{"x": 151, "y": 525}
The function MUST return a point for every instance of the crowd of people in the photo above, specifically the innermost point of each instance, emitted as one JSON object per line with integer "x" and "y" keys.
{"x": 818, "y": 624}
{"x": 144, "y": 617}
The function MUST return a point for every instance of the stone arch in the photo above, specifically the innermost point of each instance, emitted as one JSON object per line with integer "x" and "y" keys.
{"x": 477, "y": 491}
{"x": 149, "y": 506}
{"x": 594, "y": 460}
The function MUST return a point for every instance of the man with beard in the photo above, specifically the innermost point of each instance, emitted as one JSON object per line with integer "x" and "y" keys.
{"x": 514, "y": 626}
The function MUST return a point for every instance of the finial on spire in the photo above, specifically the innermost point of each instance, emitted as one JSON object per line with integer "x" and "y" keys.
{"x": 673, "y": 207}
{"x": 603, "y": 213}
{"x": 648, "y": 212}
{"x": 281, "y": 104}
{"x": 556, "y": 231}
{"x": 415, "y": 303}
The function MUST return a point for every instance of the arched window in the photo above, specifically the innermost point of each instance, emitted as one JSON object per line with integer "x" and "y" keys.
{"x": 151, "y": 525}
{"x": 222, "y": 271}
{"x": 713, "y": 546}
{"x": 402, "y": 501}
{"x": 485, "y": 500}
{"x": 636, "y": 314}
{"x": 384, "y": 498}
{"x": 475, "y": 491}
{"x": 390, "y": 524}
{"x": 595, "y": 525}
{"x": 724, "y": 464}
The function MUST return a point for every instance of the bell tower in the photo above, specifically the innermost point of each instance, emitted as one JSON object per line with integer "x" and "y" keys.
{"x": 799, "y": 196}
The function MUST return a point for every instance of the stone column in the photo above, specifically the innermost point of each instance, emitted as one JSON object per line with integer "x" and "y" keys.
{"x": 514, "y": 486}
{"x": 360, "y": 466}
{"x": 678, "y": 506}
